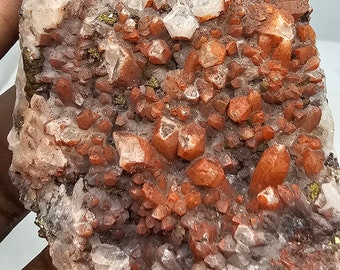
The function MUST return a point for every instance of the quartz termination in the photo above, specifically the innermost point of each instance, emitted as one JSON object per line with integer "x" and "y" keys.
{"x": 163, "y": 134}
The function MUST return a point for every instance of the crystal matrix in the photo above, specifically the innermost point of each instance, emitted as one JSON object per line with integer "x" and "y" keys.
{"x": 176, "y": 135}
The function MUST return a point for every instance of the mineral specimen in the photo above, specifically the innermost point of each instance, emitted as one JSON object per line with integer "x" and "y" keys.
{"x": 163, "y": 134}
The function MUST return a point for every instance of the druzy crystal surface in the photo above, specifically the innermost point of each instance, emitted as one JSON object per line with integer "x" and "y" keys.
{"x": 163, "y": 134}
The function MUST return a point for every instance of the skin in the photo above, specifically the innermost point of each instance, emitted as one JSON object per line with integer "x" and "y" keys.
{"x": 9, "y": 19}
{"x": 11, "y": 210}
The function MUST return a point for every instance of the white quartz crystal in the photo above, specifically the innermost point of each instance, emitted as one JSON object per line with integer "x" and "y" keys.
{"x": 332, "y": 196}
{"x": 129, "y": 149}
{"x": 180, "y": 22}
{"x": 32, "y": 149}
{"x": 191, "y": 93}
{"x": 41, "y": 15}
{"x": 269, "y": 194}
{"x": 206, "y": 9}
{"x": 114, "y": 55}
{"x": 136, "y": 4}
{"x": 246, "y": 235}
{"x": 107, "y": 257}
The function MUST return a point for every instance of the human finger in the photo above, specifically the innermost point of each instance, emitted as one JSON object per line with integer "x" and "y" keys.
{"x": 42, "y": 261}
{"x": 9, "y": 19}
{"x": 11, "y": 209}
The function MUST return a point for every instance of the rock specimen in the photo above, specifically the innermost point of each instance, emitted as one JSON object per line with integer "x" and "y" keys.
{"x": 170, "y": 134}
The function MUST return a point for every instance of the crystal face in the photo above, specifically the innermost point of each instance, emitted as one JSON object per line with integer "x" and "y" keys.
{"x": 180, "y": 22}
{"x": 176, "y": 135}
{"x": 206, "y": 10}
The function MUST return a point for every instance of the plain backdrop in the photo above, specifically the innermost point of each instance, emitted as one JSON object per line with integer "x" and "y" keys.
{"x": 23, "y": 244}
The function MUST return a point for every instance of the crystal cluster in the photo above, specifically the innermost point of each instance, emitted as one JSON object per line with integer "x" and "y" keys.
{"x": 163, "y": 134}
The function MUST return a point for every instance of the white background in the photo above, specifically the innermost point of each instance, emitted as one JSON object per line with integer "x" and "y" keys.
{"x": 23, "y": 244}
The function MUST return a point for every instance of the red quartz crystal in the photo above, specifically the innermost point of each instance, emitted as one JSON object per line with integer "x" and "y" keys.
{"x": 271, "y": 170}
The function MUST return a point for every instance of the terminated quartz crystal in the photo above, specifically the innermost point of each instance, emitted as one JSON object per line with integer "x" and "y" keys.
{"x": 180, "y": 22}
{"x": 176, "y": 135}
{"x": 206, "y": 10}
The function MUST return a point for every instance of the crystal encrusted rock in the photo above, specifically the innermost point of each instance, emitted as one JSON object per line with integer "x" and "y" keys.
{"x": 163, "y": 134}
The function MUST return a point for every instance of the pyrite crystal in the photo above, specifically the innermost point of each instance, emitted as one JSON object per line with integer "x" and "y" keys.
{"x": 171, "y": 134}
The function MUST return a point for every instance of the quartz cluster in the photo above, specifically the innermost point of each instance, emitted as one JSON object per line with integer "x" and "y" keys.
{"x": 163, "y": 134}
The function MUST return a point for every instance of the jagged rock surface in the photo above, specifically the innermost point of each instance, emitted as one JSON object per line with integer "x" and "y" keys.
{"x": 163, "y": 134}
